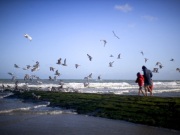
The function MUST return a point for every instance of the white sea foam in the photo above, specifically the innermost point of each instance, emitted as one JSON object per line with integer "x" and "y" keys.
{"x": 110, "y": 86}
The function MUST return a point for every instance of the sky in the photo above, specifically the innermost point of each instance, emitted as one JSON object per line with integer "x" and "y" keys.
{"x": 71, "y": 29}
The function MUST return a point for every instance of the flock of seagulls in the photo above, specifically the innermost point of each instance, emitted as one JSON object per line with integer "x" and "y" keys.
{"x": 158, "y": 64}
{"x": 36, "y": 66}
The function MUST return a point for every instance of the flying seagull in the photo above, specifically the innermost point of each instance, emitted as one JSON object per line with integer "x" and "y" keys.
{"x": 110, "y": 64}
{"x": 111, "y": 55}
{"x": 104, "y": 42}
{"x": 57, "y": 73}
{"x": 90, "y": 76}
{"x": 10, "y": 73}
{"x": 59, "y": 61}
{"x": 77, "y": 65}
{"x": 142, "y": 52}
{"x": 155, "y": 70}
{"x": 64, "y": 64}
{"x": 90, "y": 58}
{"x": 145, "y": 60}
{"x": 115, "y": 34}
{"x": 161, "y": 66}
{"x": 119, "y": 56}
{"x": 52, "y": 69}
{"x": 99, "y": 77}
{"x": 28, "y": 37}
{"x": 158, "y": 63}
{"x": 16, "y": 66}
{"x": 178, "y": 69}
{"x": 172, "y": 60}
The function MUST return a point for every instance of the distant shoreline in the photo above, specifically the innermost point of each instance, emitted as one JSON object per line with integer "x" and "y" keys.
{"x": 154, "y": 111}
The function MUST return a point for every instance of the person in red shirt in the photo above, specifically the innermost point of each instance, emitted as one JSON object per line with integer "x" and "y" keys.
{"x": 140, "y": 81}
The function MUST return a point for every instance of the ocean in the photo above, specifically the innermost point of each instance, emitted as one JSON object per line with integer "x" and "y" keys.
{"x": 165, "y": 88}
{"x": 19, "y": 115}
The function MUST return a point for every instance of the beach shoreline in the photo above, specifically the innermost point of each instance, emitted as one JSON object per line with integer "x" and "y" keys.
{"x": 153, "y": 111}
{"x": 69, "y": 124}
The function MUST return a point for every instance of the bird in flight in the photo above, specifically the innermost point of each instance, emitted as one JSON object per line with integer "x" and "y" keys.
{"x": 158, "y": 63}
{"x": 145, "y": 60}
{"x": 172, "y": 60}
{"x": 59, "y": 61}
{"x": 105, "y": 42}
{"x": 119, "y": 56}
{"x": 90, "y": 58}
{"x": 77, "y": 65}
{"x": 16, "y": 66}
{"x": 110, "y": 64}
{"x": 52, "y": 69}
{"x": 64, "y": 64}
{"x": 155, "y": 70}
{"x": 115, "y": 35}
{"x": 28, "y": 37}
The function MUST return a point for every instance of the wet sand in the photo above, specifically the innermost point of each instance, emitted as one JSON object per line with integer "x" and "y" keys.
{"x": 72, "y": 124}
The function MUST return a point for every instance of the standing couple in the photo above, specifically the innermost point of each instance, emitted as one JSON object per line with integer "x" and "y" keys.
{"x": 145, "y": 80}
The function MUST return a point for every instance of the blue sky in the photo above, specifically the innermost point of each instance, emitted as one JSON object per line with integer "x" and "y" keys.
{"x": 72, "y": 29}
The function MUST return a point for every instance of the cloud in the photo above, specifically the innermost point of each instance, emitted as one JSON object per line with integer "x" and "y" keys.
{"x": 124, "y": 8}
{"x": 149, "y": 18}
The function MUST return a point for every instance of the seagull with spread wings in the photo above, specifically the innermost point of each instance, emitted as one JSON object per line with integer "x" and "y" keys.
{"x": 105, "y": 42}
{"x": 90, "y": 57}
{"x": 115, "y": 35}
{"x": 28, "y": 37}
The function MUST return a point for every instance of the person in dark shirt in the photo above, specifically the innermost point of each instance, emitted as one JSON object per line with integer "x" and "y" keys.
{"x": 147, "y": 80}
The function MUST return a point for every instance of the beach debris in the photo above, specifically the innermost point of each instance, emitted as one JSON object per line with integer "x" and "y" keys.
{"x": 28, "y": 37}
{"x": 105, "y": 42}
{"x": 115, "y": 35}
{"x": 111, "y": 64}
{"x": 90, "y": 57}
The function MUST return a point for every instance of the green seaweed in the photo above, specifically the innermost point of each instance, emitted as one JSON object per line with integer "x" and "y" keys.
{"x": 154, "y": 111}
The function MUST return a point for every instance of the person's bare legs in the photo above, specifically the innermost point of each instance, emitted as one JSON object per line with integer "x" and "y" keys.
{"x": 145, "y": 88}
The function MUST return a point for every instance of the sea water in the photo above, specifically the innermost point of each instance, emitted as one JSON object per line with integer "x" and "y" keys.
{"x": 121, "y": 87}
{"x": 9, "y": 106}
{"x": 14, "y": 112}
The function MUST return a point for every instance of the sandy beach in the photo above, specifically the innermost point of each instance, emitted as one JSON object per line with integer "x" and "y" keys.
{"x": 73, "y": 124}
